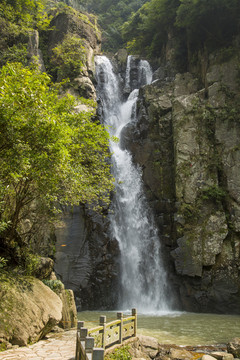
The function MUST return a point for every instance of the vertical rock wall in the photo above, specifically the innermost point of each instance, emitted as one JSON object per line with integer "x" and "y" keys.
{"x": 86, "y": 259}
{"x": 188, "y": 147}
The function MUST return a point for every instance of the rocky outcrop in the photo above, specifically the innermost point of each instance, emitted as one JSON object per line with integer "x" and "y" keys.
{"x": 187, "y": 143}
{"x": 146, "y": 347}
{"x": 28, "y": 310}
{"x": 233, "y": 347}
{"x": 84, "y": 27}
{"x": 69, "y": 311}
{"x": 35, "y": 55}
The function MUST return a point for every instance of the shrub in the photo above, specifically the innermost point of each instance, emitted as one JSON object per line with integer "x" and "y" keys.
{"x": 69, "y": 57}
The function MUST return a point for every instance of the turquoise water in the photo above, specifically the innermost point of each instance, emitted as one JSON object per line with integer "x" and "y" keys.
{"x": 177, "y": 327}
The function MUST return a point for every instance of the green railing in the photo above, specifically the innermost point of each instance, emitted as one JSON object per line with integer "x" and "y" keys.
{"x": 91, "y": 344}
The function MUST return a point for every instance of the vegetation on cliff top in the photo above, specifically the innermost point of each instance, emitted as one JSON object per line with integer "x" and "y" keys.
{"x": 111, "y": 16}
{"x": 193, "y": 25}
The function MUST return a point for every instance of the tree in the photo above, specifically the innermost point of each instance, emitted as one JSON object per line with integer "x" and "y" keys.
{"x": 49, "y": 154}
{"x": 210, "y": 23}
{"x": 147, "y": 30}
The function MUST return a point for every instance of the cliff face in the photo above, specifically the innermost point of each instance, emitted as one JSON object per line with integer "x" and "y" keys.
{"x": 86, "y": 259}
{"x": 187, "y": 141}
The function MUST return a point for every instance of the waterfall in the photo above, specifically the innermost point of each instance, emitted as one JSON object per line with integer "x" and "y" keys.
{"x": 143, "y": 278}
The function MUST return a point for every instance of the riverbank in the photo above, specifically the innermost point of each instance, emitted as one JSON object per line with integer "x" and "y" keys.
{"x": 58, "y": 346}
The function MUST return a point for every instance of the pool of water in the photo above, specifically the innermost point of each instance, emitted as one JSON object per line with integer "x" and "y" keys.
{"x": 178, "y": 327}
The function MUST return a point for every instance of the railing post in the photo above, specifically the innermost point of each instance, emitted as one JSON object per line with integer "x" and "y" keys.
{"x": 80, "y": 324}
{"x": 83, "y": 334}
{"x": 134, "y": 313}
{"x": 120, "y": 317}
{"x": 102, "y": 323}
{"x": 98, "y": 354}
{"x": 89, "y": 345}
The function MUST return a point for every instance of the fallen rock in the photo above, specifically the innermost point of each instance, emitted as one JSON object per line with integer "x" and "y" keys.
{"x": 149, "y": 346}
{"x": 233, "y": 347}
{"x": 45, "y": 268}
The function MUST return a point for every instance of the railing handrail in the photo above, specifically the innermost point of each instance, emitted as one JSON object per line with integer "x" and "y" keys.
{"x": 114, "y": 332}
{"x": 95, "y": 329}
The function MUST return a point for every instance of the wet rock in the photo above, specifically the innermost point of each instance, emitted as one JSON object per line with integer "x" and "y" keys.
{"x": 219, "y": 355}
{"x": 207, "y": 357}
{"x": 233, "y": 347}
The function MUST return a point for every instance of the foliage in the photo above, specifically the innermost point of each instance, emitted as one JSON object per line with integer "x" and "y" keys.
{"x": 31, "y": 263}
{"x": 150, "y": 25}
{"x": 213, "y": 192}
{"x": 54, "y": 285}
{"x": 121, "y": 353}
{"x": 15, "y": 53}
{"x": 17, "y": 19}
{"x": 211, "y": 22}
{"x": 25, "y": 13}
{"x": 194, "y": 25}
{"x": 111, "y": 16}
{"x": 49, "y": 154}
{"x": 3, "y": 262}
{"x": 69, "y": 57}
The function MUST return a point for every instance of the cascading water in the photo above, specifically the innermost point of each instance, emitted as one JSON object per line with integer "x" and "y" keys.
{"x": 143, "y": 278}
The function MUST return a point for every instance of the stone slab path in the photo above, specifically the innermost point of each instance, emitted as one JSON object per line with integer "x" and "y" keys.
{"x": 60, "y": 346}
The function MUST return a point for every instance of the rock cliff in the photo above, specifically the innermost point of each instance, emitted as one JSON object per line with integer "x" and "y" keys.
{"x": 86, "y": 259}
{"x": 186, "y": 140}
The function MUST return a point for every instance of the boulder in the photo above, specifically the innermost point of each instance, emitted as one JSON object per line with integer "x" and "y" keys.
{"x": 207, "y": 357}
{"x": 148, "y": 342}
{"x": 180, "y": 354}
{"x": 233, "y": 347}
{"x": 220, "y": 355}
{"x": 45, "y": 268}
{"x": 28, "y": 309}
{"x": 84, "y": 87}
{"x": 149, "y": 345}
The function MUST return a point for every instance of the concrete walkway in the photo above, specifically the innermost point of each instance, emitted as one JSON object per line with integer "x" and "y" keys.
{"x": 60, "y": 346}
